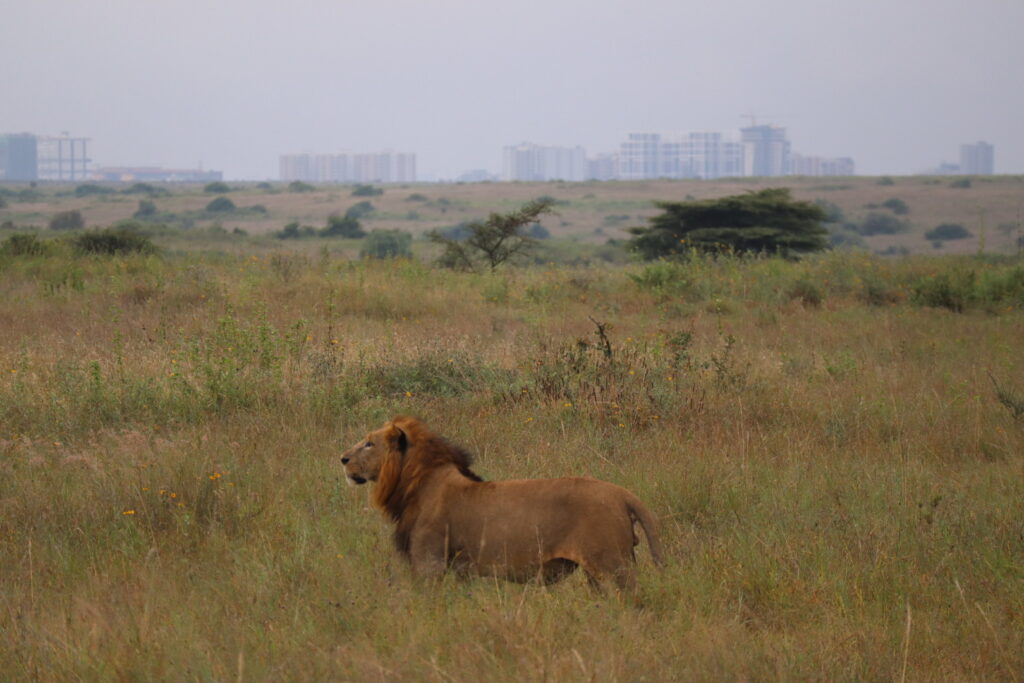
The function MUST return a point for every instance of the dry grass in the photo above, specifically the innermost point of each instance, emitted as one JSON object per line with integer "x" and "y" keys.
{"x": 592, "y": 211}
{"x": 839, "y": 484}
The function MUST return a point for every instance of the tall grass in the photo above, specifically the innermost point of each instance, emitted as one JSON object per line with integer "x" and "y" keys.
{"x": 837, "y": 475}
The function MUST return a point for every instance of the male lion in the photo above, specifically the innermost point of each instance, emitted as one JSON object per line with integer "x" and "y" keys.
{"x": 448, "y": 517}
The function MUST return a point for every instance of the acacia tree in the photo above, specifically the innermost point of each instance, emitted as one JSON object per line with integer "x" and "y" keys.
{"x": 493, "y": 241}
{"x": 768, "y": 221}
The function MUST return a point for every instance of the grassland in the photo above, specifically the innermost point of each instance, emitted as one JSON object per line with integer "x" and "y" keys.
{"x": 991, "y": 207}
{"x": 833, "y": 446}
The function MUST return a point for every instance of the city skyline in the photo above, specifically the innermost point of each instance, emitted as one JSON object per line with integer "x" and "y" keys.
{"x": 234, "y": 84}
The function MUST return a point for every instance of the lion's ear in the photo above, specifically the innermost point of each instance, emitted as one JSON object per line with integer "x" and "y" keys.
{"x": 397, "y": 438}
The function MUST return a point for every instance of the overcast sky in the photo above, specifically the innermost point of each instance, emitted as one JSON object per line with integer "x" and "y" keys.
{"x": 896, "y": 84}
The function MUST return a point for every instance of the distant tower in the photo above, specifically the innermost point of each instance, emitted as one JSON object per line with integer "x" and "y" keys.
{"x": 977, "y": 159}
{"x": 63, "y": 157}
{"x": 765, "y": 151}
{"x": 640, "y": 156}
{"x": 19, "y": 157}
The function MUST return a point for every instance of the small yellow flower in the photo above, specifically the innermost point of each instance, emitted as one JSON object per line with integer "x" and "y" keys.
{"x": 128, "y": 512}
{"x": 408, "y": 394}
{"x": 145, "y": 488}
{"x": 174, "y": 495}
{"x": 567, "y": 405}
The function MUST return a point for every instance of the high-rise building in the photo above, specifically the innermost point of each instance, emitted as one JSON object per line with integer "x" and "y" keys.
{"x": 640, "y": 156}
{"x": 530, "y": 162}
{"x": 346, "y": 167}
{"x": 19, "y": 157}
{"x": 603, "y": 167}
{"x": 63, "y": 158}
{"x": 765, "y": 151}
{"x": 820, "y": 166}
{"x": 977, "y": 159}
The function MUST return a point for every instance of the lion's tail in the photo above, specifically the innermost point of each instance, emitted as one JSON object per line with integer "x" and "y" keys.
{"x": 639, "y": 513}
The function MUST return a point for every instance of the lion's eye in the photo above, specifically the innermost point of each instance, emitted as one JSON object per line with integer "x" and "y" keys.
{"x": 369, "y": 444}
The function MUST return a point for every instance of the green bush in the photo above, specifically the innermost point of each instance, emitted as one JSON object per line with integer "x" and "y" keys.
{"x": 346, "y": 226}
{"x": 366, "y": 191}
{"x": 299, "y": 186}
{"x": 387, "y": 244}
{"x": 146, "y": 188}
{"x": 360, "y": 210}
{"x": 67, "y": 220}
{"x": 220, "y": 205}
{"x": 962, "y": 183}
{"x": 876, "y": 223}
{"x": 24, "y": 244}
{"x": 948, "y": 231}
{"x": 91, "y": 189}
{"x": 147, "y": 208}
{"x": 294, "y": 231}
{"x": 113, "y": 241}
{"x": 217, "y": 187}
{"x": 897, "y": 206}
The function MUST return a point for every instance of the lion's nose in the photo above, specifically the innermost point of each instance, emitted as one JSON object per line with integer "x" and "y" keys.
{"x": 344, "y": 461}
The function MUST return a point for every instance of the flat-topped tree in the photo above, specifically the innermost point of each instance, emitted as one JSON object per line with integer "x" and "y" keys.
{"x": 767, "y": 221}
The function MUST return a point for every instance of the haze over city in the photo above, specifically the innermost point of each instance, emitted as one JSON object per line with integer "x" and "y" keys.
{"x": 232, "y": 85}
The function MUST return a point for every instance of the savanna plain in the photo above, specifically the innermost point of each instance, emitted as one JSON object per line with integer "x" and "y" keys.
{"x": 834, "y": 446}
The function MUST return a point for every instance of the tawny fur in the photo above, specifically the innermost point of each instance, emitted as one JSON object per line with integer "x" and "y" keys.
{"x": 446, "y": 517}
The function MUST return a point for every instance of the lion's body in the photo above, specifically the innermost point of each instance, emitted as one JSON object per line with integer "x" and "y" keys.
{"x": 522, "y": 530}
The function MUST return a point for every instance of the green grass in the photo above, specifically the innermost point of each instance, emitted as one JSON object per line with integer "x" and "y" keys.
{"x": 833, "y": 454}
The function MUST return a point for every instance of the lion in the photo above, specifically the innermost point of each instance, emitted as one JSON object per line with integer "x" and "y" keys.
{"x": 448, "y": 518}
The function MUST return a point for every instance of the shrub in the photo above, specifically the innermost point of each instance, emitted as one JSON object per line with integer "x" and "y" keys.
{"x": 366, "y": 191}
{"x": 343, "y": 226}
{"x": 897, "y": 206}
{"x": 299, "y": 186}
{"x": 90, "y": 189}
{"x": 876, "y": 223}
{"x": 387, "y": 244}
{"x": 146, "y": 209}
{"x": 962, "y": 183}
{"x": 416, "y": 197}
{"x": 220, "y": 205}
{"x": 145, "y": 188}
{"x": 113, "y": 241}
{"x": 294, "y": 231}
{"x": 67, "y": 220}
{"x": 360, "y": 210}
{"x": 217, "y": 187}
{"x": 952, "y": 290}
{"x": 539, "y": 232}
{"x": 886, "y": 180}
{"x": 948, "y": 231}
{"x": 24, "y": 244}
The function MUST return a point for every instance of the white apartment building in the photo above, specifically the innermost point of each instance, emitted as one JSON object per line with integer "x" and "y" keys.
{"x": 765, "y": 151}
{"x": 820, "y": 166}
{"x": 530, "y": 162}
{"x": 347, "y": 167}
{"x": 977, "y": 159}
{"x": 694, "y": 155}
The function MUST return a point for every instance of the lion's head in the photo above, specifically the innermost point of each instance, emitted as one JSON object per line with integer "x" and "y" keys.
{"x": 397, "y": 457}
{"x": 381, "y": 449}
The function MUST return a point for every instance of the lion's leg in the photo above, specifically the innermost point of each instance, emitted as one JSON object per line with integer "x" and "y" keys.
{"x": 613, "y": 570}
{"x": 428, "y": 555}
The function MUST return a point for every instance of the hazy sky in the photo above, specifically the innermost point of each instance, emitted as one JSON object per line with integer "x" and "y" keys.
{"x": 896, "y": 84}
